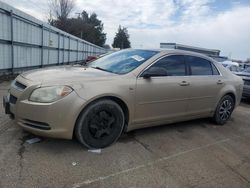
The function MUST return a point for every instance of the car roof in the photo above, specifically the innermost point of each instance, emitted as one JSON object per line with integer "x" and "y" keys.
{"x": 183, "y": 52}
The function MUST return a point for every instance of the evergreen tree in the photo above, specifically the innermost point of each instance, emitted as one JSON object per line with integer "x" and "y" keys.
{"x": 121, "y": 39}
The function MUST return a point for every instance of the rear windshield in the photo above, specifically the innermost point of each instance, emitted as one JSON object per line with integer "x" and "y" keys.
{"x": 123, "y": 61}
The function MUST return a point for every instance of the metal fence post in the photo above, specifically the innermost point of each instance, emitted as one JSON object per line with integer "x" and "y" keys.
{"x": 42, "y": 46}
{"x": 58, "y": 49}
{"x": 12, "y": 45}
{"x": 77, "y": 51}
{"x": 82, "y": 51}
{"x": 49, "y": 44}
{"x": 63, "y": 47}
{"x": 69, "y": 51}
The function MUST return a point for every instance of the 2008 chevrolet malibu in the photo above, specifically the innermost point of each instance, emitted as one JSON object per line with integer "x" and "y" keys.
{"x": 122, "y": 91}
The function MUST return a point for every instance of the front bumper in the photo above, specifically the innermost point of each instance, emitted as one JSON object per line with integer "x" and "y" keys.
{"x": 56, "y": 119}
{"x": 6, "y": 105}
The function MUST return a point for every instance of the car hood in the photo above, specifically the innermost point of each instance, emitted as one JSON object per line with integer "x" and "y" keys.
{"x": 66, "y": 75}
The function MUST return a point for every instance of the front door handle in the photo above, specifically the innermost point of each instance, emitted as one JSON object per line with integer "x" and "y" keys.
{"x": 184, "y": 83}
{"x": 220, "y": 82}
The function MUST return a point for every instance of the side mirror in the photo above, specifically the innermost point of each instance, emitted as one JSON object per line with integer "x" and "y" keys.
{"x": 146, "y": 75}
{"x": 154, "y": 72}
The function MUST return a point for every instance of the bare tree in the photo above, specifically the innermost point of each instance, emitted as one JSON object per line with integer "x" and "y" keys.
{"x": 50, "y": 18}
{"x": 60, "y": 10}
{"x": 86, "y": 26}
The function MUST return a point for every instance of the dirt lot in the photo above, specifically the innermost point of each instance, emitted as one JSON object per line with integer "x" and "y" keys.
{"x": 189, "y": 154}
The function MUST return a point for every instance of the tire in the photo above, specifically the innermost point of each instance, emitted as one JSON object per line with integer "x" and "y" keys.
{"x": 100, "y": 124}
{"x": 224, "y": 110}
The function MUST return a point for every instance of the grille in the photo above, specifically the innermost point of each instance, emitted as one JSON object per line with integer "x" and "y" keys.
{"x": 247, "y": 82}
{"x": 20, "y": 85}
{"x": 13, "y": 99}
{"x": 36, "y": 124}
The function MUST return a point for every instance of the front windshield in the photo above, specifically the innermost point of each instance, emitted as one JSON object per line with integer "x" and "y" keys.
{"x": 123, "y": 61}
{"x": 247, "y": 70}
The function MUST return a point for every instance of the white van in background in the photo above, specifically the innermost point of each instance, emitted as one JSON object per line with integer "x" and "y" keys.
{"x": 232, "y": 66}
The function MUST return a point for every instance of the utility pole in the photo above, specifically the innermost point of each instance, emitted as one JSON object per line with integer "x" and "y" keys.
{"x": 79, "y": 15}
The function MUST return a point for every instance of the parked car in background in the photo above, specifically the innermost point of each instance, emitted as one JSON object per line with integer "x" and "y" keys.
{"x": 122, "y": 91}
{"x": 90, "y": 58}
{"x": 93, "y": 58}
{"x": 232, "y": 66}
{"x": 245, "y": 74}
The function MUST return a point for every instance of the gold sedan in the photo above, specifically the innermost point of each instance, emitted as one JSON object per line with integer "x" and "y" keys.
{"x": 122, "y": 91}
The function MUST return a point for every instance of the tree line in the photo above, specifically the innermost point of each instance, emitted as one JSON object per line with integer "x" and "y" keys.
{"x": 85, "y": 26}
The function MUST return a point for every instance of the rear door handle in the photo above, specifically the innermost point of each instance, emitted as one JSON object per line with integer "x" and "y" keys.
{"x": 220, "y": 82}
{"x": 184, "y": 83}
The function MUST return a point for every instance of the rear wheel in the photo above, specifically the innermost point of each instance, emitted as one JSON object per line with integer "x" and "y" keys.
{"x": 100, "y": 125}
{"x": 224, "y": 110}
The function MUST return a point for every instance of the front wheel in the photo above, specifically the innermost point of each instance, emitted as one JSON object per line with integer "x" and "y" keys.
{"x": 100, "y": 125}
{"x": 224, "y": 110}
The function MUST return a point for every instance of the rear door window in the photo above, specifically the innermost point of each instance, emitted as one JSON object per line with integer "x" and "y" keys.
{"x": 199, "y": 66}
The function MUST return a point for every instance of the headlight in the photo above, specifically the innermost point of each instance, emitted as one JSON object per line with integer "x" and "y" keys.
{"x": 49, "y": 94}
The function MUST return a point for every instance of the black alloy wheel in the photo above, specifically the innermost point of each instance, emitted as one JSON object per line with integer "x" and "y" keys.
{"x": 100, "y": 124}
{"x": 224, "y": 110}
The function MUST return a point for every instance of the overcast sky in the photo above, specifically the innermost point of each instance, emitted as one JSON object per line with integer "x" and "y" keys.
{"x": 217, "y": 24}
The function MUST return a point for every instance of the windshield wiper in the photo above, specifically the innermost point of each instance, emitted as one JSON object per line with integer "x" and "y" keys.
{"x": 99, "y": 68}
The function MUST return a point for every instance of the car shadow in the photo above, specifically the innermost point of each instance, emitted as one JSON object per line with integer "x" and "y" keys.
{"x": 245, "y": 102}
{"x": 52, "y": 145}
{"x": 60, "y": 146}
{"x": 180, "y": 127}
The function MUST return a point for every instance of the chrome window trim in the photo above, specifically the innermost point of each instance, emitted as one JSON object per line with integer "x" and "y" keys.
{"x": 170, "y": 54}
{"x": 155, "y": 61}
